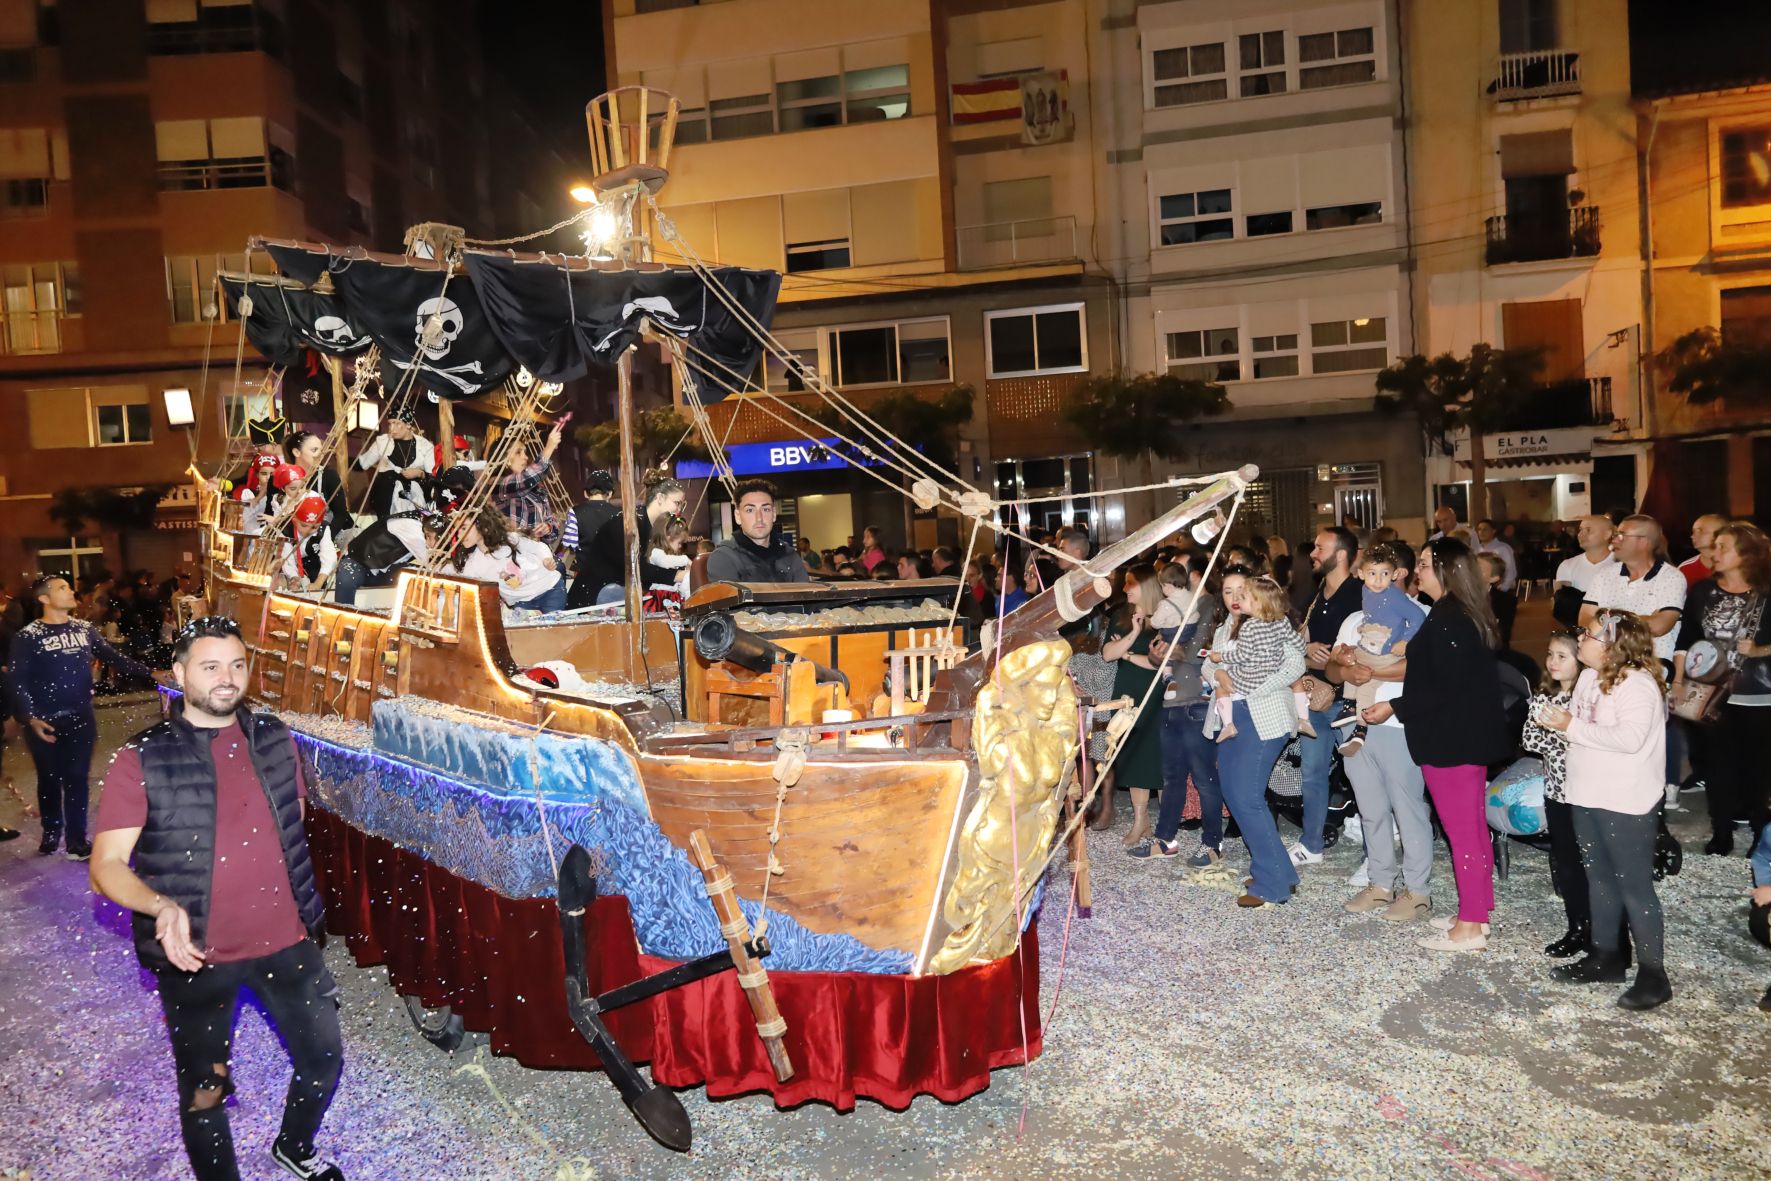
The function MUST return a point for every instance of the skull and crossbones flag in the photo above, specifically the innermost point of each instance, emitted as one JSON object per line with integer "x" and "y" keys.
{"x": 283, "y": 321}
{"x": 415, "y": 319}
{"x": 559, "y": 322}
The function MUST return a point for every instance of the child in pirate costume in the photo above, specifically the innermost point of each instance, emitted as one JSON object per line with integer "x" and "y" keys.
{"x": 255, "y": 490}
{"x": 383, "y": 547}
{"x": 306, "y": 450}
{"x": 309, "y": 554}
{"x": 400, "y": 458}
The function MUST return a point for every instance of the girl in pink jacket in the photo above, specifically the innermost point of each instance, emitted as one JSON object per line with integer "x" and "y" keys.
{"x": 1616, "y": 727}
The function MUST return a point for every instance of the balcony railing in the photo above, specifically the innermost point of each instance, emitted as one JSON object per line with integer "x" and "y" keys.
{"x": 1581, "y": 401}
{"x": 1016, "y": 243}
{"x": 275, "y": 170}
{"x": 1542, "y": 73}
{"x": 30, "y": 332}
{"x": 1543, "y": 237}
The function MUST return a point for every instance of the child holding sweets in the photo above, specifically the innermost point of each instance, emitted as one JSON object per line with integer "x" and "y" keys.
{"x": 1616, "y": 728}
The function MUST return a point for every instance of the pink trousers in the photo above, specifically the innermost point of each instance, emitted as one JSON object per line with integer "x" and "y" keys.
{"x": 1458, "y": 795}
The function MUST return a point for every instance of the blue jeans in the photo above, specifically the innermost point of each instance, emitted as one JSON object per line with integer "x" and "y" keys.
{"x": 1675, "y": 750}
{"x": 352, "y": 576}
{"x": 64, "y": 769}
{"x": 1761, "y": 857}
{"x": 1245, "y": 763}
{"x": 1318, "y": 755}
{"x": 1186, "y": 751}
{"x": 551, "y": 599}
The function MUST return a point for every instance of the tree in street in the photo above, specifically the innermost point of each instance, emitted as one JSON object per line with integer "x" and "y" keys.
{"x": 927, "y": 424}
{"x": 658, "y": 434}
{"x": 1142, "y": 417}
{"x": 1479, "y": 393}
{"x": 1703, "y": 368}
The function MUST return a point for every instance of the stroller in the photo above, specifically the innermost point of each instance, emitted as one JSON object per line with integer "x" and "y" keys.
{"x": 1285, "y": 791}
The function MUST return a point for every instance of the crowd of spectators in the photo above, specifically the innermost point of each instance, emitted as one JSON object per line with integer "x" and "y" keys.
{"x": 1648, "y": 690}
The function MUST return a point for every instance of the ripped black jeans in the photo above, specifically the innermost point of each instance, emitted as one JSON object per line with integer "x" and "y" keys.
{"x": 298, "y": 994}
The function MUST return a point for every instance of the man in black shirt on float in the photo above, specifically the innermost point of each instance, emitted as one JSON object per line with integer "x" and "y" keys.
{"x": 1338, "y": 595}
{"x": 757, "y": 553}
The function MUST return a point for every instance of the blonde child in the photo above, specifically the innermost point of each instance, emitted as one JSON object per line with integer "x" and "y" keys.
{"x": 1616, "y": 728}
{"x": 1260, "y": 632}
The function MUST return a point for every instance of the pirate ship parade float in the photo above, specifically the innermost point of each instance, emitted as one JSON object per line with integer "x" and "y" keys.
{"x": 600, "y": 854}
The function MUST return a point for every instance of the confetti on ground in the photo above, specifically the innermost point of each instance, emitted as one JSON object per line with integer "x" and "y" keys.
{"x": 1191, "y": 1039}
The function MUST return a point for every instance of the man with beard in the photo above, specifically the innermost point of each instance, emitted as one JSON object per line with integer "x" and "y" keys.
{"x": 209, "y": 805}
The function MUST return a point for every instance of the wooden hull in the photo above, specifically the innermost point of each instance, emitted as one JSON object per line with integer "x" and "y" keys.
{"x": 862, "y": 846}
{"x": 866, "y": 836}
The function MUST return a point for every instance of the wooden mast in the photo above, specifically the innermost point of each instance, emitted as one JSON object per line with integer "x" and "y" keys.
{"x": 621, "y": 151}
{"x": 630, "y": 532}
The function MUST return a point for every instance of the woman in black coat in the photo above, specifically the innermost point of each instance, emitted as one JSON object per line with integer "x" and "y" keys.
{"x": 1455, "y": 724}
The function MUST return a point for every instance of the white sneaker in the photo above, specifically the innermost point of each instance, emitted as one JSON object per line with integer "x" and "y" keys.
{"x": 1353, "y": 830}
{"x": 1361, "y": 876}
{"x": 1302, "y": 856}
{"x": 1672, "y": 798}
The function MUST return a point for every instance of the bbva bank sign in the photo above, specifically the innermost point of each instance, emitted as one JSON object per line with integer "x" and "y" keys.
{"x": 758, "y": 459}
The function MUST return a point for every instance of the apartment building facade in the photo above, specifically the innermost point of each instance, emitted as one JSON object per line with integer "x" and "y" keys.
{"x": 922, "y": 174}
{"x": 1704, "y": 132}
{"x": 142, "y": 143}
{"x": 1526, "y": 220}
{"x": 1258, "y": 170}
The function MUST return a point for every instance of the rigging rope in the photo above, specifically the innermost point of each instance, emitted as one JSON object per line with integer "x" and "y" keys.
{"x": 791, "y": 360}
{"x": 1118, "y": 743}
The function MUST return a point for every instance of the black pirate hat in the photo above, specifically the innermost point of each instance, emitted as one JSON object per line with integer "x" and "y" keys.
{"x": 267, "y": 430}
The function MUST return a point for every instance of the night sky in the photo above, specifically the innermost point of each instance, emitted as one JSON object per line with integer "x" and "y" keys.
{"x": 551, "y": 52}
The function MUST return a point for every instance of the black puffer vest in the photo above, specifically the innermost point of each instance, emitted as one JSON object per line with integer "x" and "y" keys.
{"x": 176, "y": 852}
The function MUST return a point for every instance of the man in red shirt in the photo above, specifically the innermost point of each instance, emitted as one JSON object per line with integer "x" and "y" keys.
{"x": 208, "y": 805}
{"x": 1703, "y": 535}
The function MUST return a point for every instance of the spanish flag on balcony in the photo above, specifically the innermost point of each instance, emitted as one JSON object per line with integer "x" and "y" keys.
{"x": 1040, "y": 101}
{"x": 998, "y": 99}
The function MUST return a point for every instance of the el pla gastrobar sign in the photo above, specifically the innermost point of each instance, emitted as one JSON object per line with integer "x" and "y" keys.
{"x": 1530, "y": 444}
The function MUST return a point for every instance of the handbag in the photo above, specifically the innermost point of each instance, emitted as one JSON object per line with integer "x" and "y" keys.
{"x": 1710, "y": 673}
{"x": 1322, "y": 694}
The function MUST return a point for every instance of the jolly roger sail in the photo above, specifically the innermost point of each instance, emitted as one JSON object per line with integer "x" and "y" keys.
{"x": 466, "y": 331}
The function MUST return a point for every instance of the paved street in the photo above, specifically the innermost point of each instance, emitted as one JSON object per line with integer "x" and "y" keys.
{"x": 1190, "y": 1040}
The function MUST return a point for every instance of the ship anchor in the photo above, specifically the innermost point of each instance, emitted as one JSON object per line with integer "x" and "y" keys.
{"x": 657, "y": 1108}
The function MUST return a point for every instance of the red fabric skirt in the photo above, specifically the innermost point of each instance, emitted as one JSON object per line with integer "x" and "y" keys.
{"x": 498, "y": 962}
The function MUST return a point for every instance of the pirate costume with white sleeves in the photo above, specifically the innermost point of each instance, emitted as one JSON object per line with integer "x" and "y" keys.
{"x": 390, "y": 490}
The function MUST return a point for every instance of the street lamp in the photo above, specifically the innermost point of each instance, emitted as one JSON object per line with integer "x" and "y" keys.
{"x": 583, "y": 193}
{"x": 178, "y": 407}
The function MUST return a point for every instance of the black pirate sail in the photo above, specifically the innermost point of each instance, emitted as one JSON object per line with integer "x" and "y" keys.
{"x": 422, "y": 318}
{"x": 283, "y": 320}
{"x": 465, "y": 332}
{"x": 558, "y": 321}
